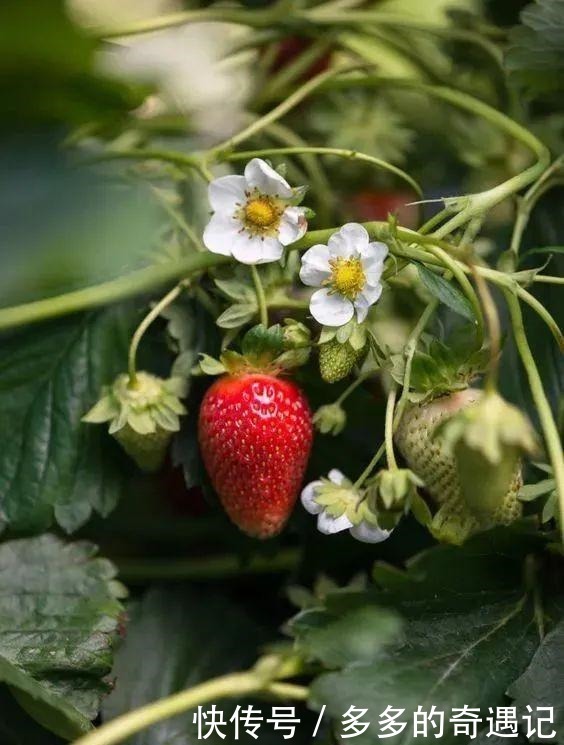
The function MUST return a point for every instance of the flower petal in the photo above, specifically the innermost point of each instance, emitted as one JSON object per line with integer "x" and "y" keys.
{"x": 367, "y": 297}
{"x": 261, "y": 176}
{"x": 369, "y": 533}
{"x": 373, "y": 253}
{"x": 315, "y": 266}
{"x": 220, "y": 233}
{"x": 330, "y": 309}
{"x": 329, "y": 525}
{"x": 336, "y": 476}
{"x": 293, "y": 225}
{"x": 348, "y": 241}
{"x": 227, "y": 193}
{"x": 308, "y": 498}
{"x": 256, "y": 250}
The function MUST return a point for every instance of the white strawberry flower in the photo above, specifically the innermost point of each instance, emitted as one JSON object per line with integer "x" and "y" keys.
{"x": 253, "y": 216}
{"x": 348, "y": 270}
{"x": 339, "y": 507}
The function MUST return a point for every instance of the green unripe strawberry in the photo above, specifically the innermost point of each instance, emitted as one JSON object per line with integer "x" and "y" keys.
{"x": 337, "y": 360}
{"x": 149, "y": 450}
{"x": 462, "y": 511}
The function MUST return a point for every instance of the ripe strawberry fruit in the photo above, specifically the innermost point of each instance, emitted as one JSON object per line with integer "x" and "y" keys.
{"x": 255, "y": 433}
{"x": 428, "y": 458}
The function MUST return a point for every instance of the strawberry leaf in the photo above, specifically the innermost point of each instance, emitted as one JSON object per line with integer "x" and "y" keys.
{"x": 542, "y": 683}
{"x": 194, "y": 636}
{"x": 53, "y": 467}
{"x": 446, "y": 292}
{"x": 453, "y": 637}
{"x": 535, "y": 58}
{"x": 63, "y": 602}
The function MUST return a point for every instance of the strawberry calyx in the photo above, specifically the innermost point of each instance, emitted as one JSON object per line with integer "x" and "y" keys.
{"x": 142, "y": 413}
{"x": 440, "y": 368}
{"x": 269, "y": 351}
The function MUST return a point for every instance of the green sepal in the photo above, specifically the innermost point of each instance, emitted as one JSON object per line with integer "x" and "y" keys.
{"x": 262, "y": 345}
{"x": 330, "y": 419}
{"x": 390, "y": 494}
{"x": 438, "y": 368}
{"x": 487, "y": 441}
{"x": 142, "y": 415}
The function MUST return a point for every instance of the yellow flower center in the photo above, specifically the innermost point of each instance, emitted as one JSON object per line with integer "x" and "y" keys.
{"x": 347, "y": 278}
{"x": 261, "y": 212}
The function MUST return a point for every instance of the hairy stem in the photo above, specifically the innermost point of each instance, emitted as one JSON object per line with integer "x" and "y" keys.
{"x": 410, "y": 349}
{"x": 274, "y": 114}
{"x": 549, "y": 428}
{"x": 371, "y": 466}
{"x": 352, "y": 387}
{"x": 211, "y": 567}
{"x": 261, "y": 298}
{"x": 339, "y": 152}
{"x": 226, "y": 686}
{"x": 389, "y": 429}
{"x": 151, "y": 316}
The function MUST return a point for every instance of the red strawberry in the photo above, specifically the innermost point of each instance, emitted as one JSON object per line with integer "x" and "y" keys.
{"x": 255, "y": 433}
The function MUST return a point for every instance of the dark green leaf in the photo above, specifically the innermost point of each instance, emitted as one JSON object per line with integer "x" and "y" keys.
{"x": 360, "y": 634}
{"x": 542, "y": 683}
{"x": 52, "y": 466}
{"x": 535, "y": 58}
{"x": 178, "y": 637}
{"x": 62, "y": 601}
{"x": 17, "y": 728}
{"x": 465, "y": 609}
{"x": 446, "y": 292}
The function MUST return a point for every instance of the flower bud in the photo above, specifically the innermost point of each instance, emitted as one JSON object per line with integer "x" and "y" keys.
{"x": 330, "y": 419}
{"x": 391, "y": 493}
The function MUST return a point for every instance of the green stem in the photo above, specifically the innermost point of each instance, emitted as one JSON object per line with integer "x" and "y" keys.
{"x": 527, "y": 203}
{"x": 261, "y": 298}
{"x": 476, "y": 204}
{"x": 151, "y": 277}
{"x": 370, "y": 467}
{"x": 274, "y": 114}
{"x": 410, "y": 349}
{"x": 549, "y": 280}
{"x": 176, "y": 157}
{"x": 136, "y": 571}
{"x": 320, "y": 185}
{"x": 129, "y": 285}
{"x": 152, "y": 315}
{"x": 352, "y": 387}
{"x": 256, "y": 18}
{"x": 339, "y": 152}
{"x": 389, "y": 429}
{"x": 494, "y": 329}
{"x": 277, "y": 83}
{"x": 549, "y": 428}
{"x": 226, "y": 686}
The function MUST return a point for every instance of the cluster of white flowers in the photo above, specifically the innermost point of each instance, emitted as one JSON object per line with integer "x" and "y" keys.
{"x": 254, "y": 218}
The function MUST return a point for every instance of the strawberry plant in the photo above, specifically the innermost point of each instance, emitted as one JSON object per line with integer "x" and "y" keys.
{"x": 280, "y": 392}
